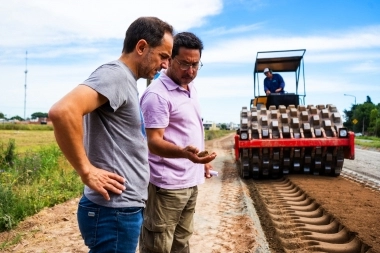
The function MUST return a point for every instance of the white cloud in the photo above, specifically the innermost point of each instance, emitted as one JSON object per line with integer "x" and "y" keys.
{"x": 43, "y": 22}
{"x": 367, "y": 66}
{"x": 350, "y": 55}
{"x": 337, "y": 47}
{"x": 239, "y": 29}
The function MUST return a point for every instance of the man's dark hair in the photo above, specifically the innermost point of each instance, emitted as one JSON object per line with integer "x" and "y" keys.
{"x": 151, "y": 29}
{"x": 187, "y": 40}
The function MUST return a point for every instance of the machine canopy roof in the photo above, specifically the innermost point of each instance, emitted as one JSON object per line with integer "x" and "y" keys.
{"x": 279, "y": 61}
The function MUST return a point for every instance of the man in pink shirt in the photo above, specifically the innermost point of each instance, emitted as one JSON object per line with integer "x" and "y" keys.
{"x": 175, "y": 136}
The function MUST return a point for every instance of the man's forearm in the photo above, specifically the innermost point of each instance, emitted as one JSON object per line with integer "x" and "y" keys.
{"x": 68, "y": 132}
{"x": 166, "y": 149}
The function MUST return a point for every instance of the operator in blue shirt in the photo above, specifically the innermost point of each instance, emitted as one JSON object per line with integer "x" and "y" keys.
{"x": 273, "y": 83}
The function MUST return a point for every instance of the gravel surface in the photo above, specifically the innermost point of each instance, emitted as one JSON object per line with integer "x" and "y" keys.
{"x": 367, "y": 161}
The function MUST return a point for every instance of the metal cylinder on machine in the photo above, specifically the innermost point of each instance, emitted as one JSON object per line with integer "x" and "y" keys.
{"x": 297, "y": 124}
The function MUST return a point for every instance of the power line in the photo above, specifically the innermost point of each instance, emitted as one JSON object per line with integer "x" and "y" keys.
{"x": 26, "y": 72}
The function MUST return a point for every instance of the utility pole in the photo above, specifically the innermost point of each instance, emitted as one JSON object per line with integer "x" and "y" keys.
{"x": 363, "y": 126}
{"x": 26, "y": 72}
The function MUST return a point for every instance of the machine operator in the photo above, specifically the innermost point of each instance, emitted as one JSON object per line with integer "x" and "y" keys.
{"x": 273, "y": 83}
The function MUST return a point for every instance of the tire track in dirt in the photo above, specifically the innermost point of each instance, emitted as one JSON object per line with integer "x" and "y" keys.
{"x": 233, "y": 229}
{"x": 301, "y": 224}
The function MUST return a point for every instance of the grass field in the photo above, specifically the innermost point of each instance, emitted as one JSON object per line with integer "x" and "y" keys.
{"x": 28, "y": 140}
{"x": 33, "y": 174}
{"x": 368, "y": 142}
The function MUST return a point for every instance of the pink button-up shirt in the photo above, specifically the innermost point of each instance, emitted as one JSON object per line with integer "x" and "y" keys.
{"x": 167, "y": 105}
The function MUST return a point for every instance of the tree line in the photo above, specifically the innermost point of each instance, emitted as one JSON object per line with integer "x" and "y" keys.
{"x": 363, "y": 118}
{"x": 33, "y": 116}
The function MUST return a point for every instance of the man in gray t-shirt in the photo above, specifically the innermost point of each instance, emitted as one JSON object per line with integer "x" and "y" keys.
{"x": 100, "y": 130}
{"x": 120, "y": 145}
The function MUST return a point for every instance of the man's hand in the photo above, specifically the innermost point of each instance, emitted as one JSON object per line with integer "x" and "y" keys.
{"x": 208, "y": 167}
{"x": 103, "y": 181}
{"x": 192, "y": 155}
{"x": 267, "y": 92}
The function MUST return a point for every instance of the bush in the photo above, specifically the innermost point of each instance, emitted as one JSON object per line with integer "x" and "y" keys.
{"x": 7, "y": 155}
{"x": 32, "y": 181}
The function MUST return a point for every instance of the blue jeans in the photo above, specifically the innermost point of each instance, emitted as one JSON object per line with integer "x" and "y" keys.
{"x": 106, "y": 229}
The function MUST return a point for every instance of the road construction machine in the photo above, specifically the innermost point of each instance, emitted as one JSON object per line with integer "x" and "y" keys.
{"x": 280, "y": 135}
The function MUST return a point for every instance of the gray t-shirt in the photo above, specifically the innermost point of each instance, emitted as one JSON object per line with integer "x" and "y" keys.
{"x": 115, "y": 137}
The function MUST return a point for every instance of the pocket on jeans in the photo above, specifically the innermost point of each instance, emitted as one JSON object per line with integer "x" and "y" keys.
{"x": 129, "y": 210}
{"x": 87, "y": 222}
{"x": 154, "y": 236}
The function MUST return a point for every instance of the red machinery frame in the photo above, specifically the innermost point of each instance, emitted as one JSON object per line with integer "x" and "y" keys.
{"x": 349, "y": 152}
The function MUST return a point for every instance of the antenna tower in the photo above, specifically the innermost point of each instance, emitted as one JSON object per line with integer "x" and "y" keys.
{"x": 26, "y": 73}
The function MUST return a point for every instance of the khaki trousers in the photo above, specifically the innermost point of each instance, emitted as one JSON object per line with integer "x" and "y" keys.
{"x": 168, "y": 220}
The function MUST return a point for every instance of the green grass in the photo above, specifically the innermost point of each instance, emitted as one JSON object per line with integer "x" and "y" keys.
{"x": 12, "y": 241}
{"x": 19, "y": 126}
{"x": 28, "y": 140}
{"x": 33, "y": 175}
{"x": 214, "y": 134}
{"x": 368, "y": 141}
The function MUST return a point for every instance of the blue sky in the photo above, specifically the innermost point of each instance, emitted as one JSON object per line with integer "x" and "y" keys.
{"x": 67, "y": 40}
